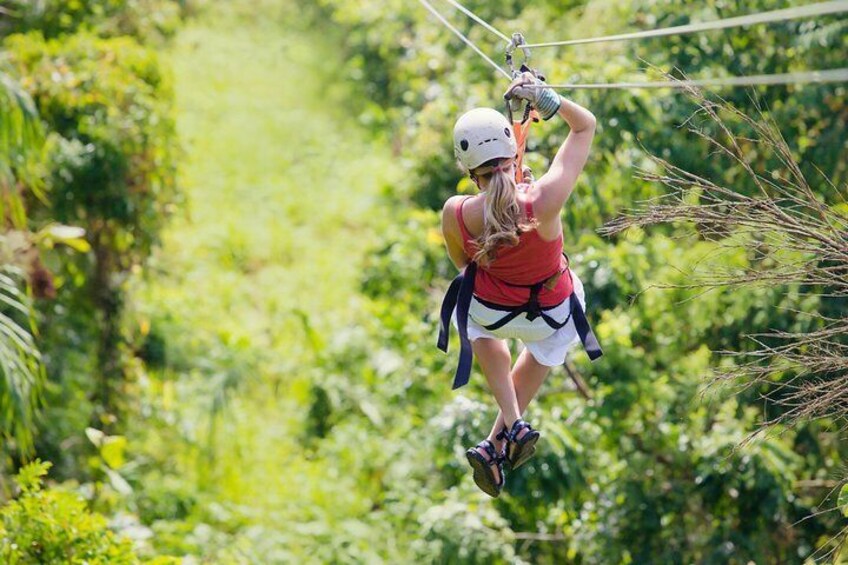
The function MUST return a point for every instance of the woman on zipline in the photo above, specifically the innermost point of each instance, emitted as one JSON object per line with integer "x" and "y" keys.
{"x": 507, "y": 240}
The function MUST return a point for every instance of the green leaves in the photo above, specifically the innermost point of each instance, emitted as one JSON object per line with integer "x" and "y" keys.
{"x": 110, "y": 174}
{"x": 111, "y": 447}
{"x": 55, "y": 526}
{"x": 152, "y": 19}
{"x": 53, "y": 234}
{"x": 21, "y": 144}
{"x": 30, "y": 476}
{"x": 656, "y": 477}
{"x": 341, "y": 441}
{"x": 21, "y": 371}
{"x": 112, "y": 141}
{"x": 842, "y": 501}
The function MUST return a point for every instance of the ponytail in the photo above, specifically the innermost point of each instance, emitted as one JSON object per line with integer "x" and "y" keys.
{"x": 501, "y": 217}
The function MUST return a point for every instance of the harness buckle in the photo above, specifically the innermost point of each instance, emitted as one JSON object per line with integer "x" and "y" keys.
{"x": 551, "y": 282}
{"x": 533, "y": 308}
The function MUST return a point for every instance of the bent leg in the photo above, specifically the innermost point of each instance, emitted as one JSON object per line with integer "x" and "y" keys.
{"x": 527, "y": 377}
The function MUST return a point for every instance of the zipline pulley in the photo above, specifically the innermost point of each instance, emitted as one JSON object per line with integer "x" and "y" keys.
{"x": 518, "y": 42}
{"x": 521, "y": 128}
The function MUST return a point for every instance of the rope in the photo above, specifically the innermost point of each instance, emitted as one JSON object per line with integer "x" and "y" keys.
{"x": 467, "y": 41}
{"x": 820, "y": 9}
{"x": 477, "y": 19}
{"x": 831, "y": 75}
{"x": 825, "y": 76}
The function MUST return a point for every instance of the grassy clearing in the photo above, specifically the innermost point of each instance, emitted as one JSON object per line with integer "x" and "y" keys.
{"x": 262, "y": 268}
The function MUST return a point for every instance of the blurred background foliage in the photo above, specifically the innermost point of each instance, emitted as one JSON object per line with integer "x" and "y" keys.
{"x": 221, "y": 231}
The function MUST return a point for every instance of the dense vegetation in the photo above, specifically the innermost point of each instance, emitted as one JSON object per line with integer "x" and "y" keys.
{"x": 253, "y": 379}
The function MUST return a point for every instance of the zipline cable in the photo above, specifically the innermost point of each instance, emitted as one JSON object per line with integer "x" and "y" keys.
{"x": 467, "y": 41}
{"x": 477, "y": 19}
{"x": 830, "y": 75}
{"x": 823, "y": 76}
{"x": 819, "y": 9}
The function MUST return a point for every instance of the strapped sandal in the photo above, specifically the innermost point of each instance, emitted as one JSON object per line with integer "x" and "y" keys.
{"x": 520, "y": 449}
{"x": 484, "y": 476}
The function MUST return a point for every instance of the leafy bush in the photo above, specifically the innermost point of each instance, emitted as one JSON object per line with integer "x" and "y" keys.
{"x": 55, "y": 527}
{"x": 107, "y": 107}
{"x": 21, "y": 145}
{"x": 145, "y": 19}
{"x": 109, "y": 102}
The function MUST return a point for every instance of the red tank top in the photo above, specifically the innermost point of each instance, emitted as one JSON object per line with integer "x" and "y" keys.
{"x": 531, "y": 261}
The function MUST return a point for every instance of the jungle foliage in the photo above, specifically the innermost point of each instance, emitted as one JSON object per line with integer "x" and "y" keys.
{"x": 254, "y": 379}
{"x": 88, "y": 176}
{"x": 616, "y": 498}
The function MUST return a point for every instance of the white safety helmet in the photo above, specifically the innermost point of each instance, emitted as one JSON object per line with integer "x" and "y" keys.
{"x": 481, "y": 135}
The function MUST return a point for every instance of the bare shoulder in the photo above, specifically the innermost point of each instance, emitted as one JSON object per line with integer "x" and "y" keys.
{"x": 546, "y": 204}
{"x": 449, "y": 213}
{"x": 451, "y": 205}
{"x": 452, "y": 202}
{"x": 547, "y": 213}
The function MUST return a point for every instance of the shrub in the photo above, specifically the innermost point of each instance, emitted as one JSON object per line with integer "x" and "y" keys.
{"x": 109, "y": 18}
{"x": 107, "y": 105}
{"x": 52, "y": 526}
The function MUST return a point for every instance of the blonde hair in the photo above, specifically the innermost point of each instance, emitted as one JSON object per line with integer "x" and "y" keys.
{"x": 502, "y": 223}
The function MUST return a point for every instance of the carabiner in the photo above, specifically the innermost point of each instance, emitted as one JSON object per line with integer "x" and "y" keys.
{"x": 517, "y": 42}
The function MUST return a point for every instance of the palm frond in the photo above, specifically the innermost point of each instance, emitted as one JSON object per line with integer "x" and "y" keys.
{"x": 21, "y": 371}
{"x": 21, "y": 144}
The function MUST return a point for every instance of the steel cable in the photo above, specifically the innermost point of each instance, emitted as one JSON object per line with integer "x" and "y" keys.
{"x": 467, "y": 41}
{"x": 477, "y": 19}
{"x": 810, "y": 10}
{"x": 821, "y": 76}
{"x": 830, "y": 75}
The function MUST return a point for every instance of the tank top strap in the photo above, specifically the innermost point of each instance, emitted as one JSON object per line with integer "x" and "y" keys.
{"x": 463, "y": 230}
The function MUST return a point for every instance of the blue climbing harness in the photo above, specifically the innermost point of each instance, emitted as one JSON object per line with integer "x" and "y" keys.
{"x": 459, "y": 296}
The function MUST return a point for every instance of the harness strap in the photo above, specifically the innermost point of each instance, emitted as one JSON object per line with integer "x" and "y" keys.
{"x": 459, "y": 296}
{"x": 516, "y": 313}
{"x": 581, "y": 324}
{"x": 533, "y": 311}
{"x": 522, "y": 131}
{"x": 584, "y": 330}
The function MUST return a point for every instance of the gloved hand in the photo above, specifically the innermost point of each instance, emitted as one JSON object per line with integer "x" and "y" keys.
{"x": 528, "y": 87}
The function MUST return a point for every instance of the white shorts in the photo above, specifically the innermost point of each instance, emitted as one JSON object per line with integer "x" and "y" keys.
{"x": 546, "y": 345}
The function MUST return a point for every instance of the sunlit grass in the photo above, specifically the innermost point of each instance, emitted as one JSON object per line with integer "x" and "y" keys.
{"x": 281, "y": 189}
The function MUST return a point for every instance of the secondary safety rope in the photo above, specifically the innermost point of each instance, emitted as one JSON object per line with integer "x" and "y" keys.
{"x": 822, "y": 76}
{"x": 810, "y": 10}
{"x": 831, "y": 75}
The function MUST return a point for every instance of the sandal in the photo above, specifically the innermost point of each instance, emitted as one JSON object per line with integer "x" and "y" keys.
{"x": 484, "y": 476}
{"x": 519, "y": 449}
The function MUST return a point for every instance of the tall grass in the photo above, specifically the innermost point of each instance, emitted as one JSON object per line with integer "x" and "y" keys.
{"x": 259, "y": 273}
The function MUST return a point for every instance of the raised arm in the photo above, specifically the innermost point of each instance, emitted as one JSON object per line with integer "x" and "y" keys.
{"x": 555, "y": 186}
